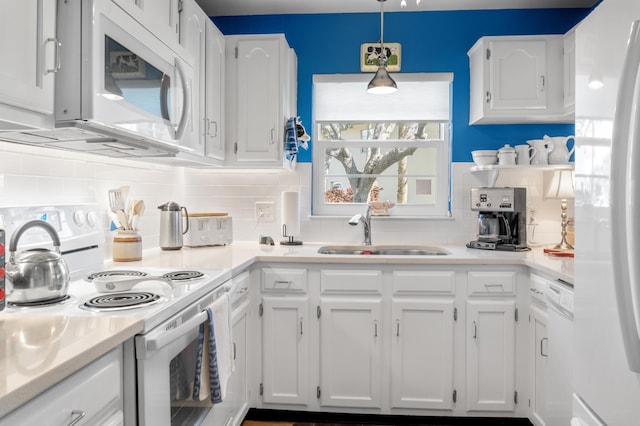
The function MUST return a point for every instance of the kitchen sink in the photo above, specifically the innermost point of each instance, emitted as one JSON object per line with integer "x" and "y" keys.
{"x": 392, "y": 250}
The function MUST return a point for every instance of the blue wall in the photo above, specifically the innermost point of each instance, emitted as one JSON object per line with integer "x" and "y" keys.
{"x": 433, "y": 41}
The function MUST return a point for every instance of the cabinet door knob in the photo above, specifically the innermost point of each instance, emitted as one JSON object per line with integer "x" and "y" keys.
{"x": 475, "y": 330}
{"x": 488, "y": 96}
{"x": 542, "y": 351}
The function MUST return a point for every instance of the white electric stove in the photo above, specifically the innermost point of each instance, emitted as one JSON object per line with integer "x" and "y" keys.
{"x": 171, "y": 303}
{"x": 80, "y": 228}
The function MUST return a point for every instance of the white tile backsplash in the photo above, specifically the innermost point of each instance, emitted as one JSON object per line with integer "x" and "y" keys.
{"x": 31, "y": 175}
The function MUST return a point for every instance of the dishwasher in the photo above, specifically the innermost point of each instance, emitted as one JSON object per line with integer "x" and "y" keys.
{"x": 559, "y": 296}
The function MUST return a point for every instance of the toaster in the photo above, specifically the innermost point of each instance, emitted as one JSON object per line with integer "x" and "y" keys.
{"x": 208, "y": 229}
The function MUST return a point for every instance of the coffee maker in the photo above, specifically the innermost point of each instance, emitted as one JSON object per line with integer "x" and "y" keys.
{"x": 501, "y": 218}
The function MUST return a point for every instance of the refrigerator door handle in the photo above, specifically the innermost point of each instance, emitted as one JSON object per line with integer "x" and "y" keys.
{"x": 625, "y": 196}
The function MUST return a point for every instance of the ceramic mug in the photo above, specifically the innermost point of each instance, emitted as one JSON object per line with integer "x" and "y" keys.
{"x": 524, "y": 154}
{"x": 543, "y": 147}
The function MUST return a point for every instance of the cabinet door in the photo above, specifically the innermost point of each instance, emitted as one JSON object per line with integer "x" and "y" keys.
{"x": 490, "y": 355}
{"x": 422, "y": 354}
{"x": 539, "y": 357}
{"x": 30, "y": 54}
{"x": 517, "y": 75}
{"x": 214, "y": 93}
{"x": 258, "y": 94}
{"x": 569, "y": 55}
{"x": 239, "y": 383}
{"x": 161, "y": 17}
{"x": 193, "y": 39}
{"x": 285, "y": 349}
{"x": 350, "y": 352}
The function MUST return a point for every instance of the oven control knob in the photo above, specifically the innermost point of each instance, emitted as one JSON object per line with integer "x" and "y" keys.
{"x": 92, "y": 219}
{"x": 78, "y": 217}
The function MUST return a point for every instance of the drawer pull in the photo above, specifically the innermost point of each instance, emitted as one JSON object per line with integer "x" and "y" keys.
{"x": 494, "y": 286}
{"x": 283, "y": 282}
{"x": 76, "y": 415}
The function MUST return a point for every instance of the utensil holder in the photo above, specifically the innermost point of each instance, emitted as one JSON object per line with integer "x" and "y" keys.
{"x": 127, "y": 246}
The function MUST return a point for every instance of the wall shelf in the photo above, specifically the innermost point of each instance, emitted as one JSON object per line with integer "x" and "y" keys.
{"x": 489, "y": 173}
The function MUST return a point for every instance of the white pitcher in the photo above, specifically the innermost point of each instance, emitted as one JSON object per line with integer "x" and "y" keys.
{"x": 561, "y": 153}
{"x": 543, "y": 147}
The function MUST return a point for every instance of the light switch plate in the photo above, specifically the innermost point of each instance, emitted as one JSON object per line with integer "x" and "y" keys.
{"x": 265, "y": 211}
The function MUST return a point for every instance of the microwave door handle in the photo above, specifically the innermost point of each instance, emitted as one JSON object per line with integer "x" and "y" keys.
{"x": 164, "y": 98}
{"x": 624, "y": 198}
{"x": 186, "y": 102}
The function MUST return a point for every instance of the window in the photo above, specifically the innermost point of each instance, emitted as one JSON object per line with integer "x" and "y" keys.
{"x": 382, "y": 147}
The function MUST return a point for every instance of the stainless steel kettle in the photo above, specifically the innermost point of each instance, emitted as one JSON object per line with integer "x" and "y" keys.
{"x": 171, "y": 225}
{"x": 38, "y": 274}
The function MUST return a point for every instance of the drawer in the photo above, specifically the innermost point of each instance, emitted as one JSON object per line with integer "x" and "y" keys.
{"x": 95, "y": 390}
{"x": 284, "y": 280}
{"x": 429, "y": 282}
{"x": 351, "y": 281}
{"x": 489, "y": 283}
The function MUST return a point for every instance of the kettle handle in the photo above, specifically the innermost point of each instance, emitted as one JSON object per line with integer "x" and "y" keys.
{"x": 186, "y": 213}
{"x": 13, "y": 244}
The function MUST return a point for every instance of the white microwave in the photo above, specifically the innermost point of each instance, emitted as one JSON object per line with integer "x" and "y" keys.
{"x": 120, "y": 91}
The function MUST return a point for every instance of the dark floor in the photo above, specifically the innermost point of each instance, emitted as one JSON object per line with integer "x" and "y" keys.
{"x": 297, "y": 418}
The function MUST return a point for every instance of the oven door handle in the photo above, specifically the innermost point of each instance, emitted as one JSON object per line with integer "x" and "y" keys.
{"x": 158, "y": 339}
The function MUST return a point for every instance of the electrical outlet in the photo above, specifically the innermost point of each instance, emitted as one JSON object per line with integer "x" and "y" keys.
{"x": 265, "y": 211}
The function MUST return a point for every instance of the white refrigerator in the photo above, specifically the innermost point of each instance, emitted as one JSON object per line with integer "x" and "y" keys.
{"x": 606, "y": 377}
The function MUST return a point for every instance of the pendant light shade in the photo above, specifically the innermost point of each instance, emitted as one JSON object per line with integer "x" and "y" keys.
{"x": 382, "y": 83}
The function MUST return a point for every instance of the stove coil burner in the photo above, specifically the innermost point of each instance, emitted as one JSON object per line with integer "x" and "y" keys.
{"x": 120, "y": 301}
{"x": 49, "y": 302}
{"x": 183, "y": 276}
{"x": 116, "y": 273}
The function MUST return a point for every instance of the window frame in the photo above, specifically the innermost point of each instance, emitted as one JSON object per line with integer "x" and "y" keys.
{"x": 442, "y": 207}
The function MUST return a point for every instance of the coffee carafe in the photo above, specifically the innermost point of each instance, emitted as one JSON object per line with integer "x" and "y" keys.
{"x": 171, "y": 225}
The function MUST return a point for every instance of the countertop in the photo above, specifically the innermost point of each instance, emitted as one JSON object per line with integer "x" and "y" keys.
{"x": 40, "y": 350}
{"x": 239, "y": 255}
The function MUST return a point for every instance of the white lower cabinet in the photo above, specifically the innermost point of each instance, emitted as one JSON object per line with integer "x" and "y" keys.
{"x": 284, "y": 350}
{"x": 350, "y": 352}
{"x": 91, "y": 396}
{"x": 422, "y": 353}
{"x": 427, "y": 340}
{"x": 239, "y": 378}
{"x": 491, "y": 355}
{"x": 539, "y": 355}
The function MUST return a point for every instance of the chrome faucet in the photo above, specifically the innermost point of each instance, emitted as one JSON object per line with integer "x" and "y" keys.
{"x": 366, "y": 222}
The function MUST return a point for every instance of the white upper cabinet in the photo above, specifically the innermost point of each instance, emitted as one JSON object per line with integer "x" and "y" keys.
{"x": 214, "y": 93}
{"x": 31, "y": 56}
{"x": 261, "y": 78}
{"x": 205, "y": 45}
{"x": 161, "y": 17}
{"x": 194, "y": 39}
{"x": 517, "y": 79}
{"x": 569, "y": 53}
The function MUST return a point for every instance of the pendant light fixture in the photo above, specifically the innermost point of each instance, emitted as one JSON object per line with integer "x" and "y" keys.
{"x": 382, "y": 83}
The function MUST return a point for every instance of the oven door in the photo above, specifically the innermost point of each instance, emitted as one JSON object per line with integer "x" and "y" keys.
{"x": 166, "y": 363}
{"x": 130, "y": 80}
